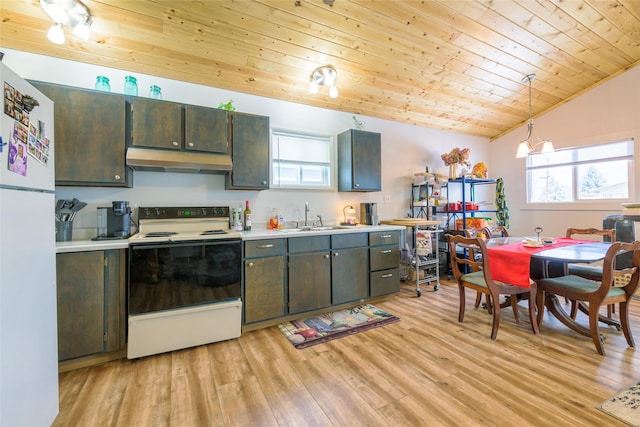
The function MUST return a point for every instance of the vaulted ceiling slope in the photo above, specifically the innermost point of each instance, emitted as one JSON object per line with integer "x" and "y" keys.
{"x": 448, "y": 64}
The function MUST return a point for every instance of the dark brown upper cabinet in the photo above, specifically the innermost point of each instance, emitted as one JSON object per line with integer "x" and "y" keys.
{"x": 359, "y": 161}
{"x": 173, "y": 126}
{"x": 250, "y": 153}
{"x": 90, "y": 139}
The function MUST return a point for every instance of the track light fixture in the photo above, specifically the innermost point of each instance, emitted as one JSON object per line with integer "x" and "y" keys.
{"x": 72, "y": 13}
{"x": 324, "y": 76}
{"x": 527, "y": 146}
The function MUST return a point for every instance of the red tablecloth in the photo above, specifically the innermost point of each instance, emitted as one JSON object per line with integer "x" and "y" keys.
{"x": 512, "y": 263}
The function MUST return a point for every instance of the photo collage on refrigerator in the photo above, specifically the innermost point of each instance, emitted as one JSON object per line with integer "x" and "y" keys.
{"x": 28, "y": 137}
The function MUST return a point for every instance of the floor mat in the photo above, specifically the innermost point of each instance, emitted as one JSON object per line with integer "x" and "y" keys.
{"x": 325, "y": 327}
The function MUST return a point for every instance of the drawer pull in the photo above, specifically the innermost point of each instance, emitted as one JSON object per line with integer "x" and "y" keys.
{"x": 385, "y": 236}
{"x": 386, "y": 276}
{"x": 388, "y": 251}
{"x": 250, "y": 264}
{"x": 264, "y": 246}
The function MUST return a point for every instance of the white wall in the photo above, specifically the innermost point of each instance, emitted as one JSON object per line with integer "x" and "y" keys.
{"x": 607, "y": 113}
{"x": 406, "y": 149}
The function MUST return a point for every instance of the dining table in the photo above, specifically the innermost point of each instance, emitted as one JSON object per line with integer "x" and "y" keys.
{"x": 516, "y": 261}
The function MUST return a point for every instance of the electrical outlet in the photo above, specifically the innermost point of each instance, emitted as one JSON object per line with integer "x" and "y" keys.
{"x": 387, "y": 198}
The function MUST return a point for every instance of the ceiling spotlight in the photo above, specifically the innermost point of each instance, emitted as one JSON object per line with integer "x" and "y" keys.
{"x": 324, "y": 76}
{"x": 72, "y": 13}
{"x": 56, "y": 34}
{"x": 527, "y": 146}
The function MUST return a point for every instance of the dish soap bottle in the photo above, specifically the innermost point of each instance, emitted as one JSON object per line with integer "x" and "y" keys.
{"x": 273, "y": 221}
{"x": 247, "y": 217}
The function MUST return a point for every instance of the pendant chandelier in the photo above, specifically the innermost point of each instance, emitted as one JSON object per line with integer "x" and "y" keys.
{"x": 528, "y": 146}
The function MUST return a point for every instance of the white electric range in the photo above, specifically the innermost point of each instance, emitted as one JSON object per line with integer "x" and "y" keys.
{"x": 184, "y": 286}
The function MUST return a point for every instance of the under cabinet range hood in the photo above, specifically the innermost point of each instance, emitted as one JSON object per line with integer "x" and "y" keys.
{"x": 149, "y": 159}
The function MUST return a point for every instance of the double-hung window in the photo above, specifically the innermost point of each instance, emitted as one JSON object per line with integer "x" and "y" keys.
{"x": 590, "y": 173}
{"x": 301, "y": 160}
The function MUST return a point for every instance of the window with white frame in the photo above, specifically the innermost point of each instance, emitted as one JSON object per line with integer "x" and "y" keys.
{"x": 301, "y": 160}
{"x": 590, "y": 173}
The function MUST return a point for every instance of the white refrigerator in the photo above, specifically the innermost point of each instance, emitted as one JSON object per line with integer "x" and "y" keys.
{"x": 28, "y": 320}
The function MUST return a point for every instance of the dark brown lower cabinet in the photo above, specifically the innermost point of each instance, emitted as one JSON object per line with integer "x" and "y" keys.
{"x": 264, "y": 280}
{"x": 91, "y": 303}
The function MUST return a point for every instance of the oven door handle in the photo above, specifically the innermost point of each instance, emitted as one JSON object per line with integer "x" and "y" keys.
{"x": 183, "y": 243}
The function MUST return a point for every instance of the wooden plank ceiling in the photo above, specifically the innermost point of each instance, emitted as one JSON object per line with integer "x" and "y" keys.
{"x": 448, "y": 64}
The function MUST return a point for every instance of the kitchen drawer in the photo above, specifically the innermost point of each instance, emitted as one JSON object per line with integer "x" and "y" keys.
{"x": 353, "y": 240}
{"x": 384, "y": 238}
{"x": 308, "y": 244}
{"x": 262, "y": 248}
{"x": 385, "y": 281}
{"x": 383, "y": 257}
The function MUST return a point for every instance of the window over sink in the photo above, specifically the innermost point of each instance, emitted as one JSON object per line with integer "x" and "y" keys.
{"x": 301, "y": 160}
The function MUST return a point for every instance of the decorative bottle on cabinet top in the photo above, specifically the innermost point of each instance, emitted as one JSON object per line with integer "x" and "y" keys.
{"x": 155, "y": 92}
{"x": 130, "y": 86}
{"x": 102, "y": 83}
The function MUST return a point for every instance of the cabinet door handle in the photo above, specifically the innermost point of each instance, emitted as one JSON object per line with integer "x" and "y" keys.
{"x": 326, "y": 256}
{"x": 388, "y": 251}
{"x": 385, "y": 236}
{"x": 117, "y": 177}
{"x": 264, "y": 246}
{"x": 175, "y": 143}
{"x": 386, "y": 276}
{"x": 190, "y": 144}
{"x": 356, "y": 185}
{"x": 250, "y": 264}
{"x": 264, "y": 182}
{"x": 336, "y": 253}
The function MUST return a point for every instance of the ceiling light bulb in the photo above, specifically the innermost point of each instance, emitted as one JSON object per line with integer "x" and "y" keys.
{"x": 56, "y": 34}
{"x": 333, "y": 92}
{"x": 547, "y": 147}
{"x": 313, "y": 88}
{"x": 83, "y": 29}
{"x": 523, "y": 150}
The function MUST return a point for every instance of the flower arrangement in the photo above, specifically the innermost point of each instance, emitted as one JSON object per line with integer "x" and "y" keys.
{"x": 457, "y": 156}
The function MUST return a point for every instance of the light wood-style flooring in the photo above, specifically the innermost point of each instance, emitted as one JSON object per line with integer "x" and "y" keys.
{"x": 426, "y": 370}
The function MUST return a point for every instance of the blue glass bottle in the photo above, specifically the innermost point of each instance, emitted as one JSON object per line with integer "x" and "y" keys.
{"x": 102, "y": 83}
{"x": 130, "y": 86}
{"x": 155, "y": 92}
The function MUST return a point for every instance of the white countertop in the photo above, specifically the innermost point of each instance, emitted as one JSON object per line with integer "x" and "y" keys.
{"x": 91, "y": 245}
{"x": 271, "y": 234}
{"x": 99, "y": 245}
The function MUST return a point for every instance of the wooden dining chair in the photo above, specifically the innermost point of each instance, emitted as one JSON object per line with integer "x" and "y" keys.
{"x": 589, "y": 271}
{"x": 473, "y": 273}
{"x": 478, "y": 232}
{"x": 497, "y": 231}
{"x": 486, "y": 232}
{"x": 595, "y": 293}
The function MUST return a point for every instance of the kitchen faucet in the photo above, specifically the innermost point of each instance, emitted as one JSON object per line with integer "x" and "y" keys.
{"x": 306, "y": 212}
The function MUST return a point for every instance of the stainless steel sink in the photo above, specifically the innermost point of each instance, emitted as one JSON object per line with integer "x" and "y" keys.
{"x": 322, "y": 228}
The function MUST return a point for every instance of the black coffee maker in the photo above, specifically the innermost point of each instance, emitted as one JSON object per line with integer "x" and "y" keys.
{"x": 114, "y": 222}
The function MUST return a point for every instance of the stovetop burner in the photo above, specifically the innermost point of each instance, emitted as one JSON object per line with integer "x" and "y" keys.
{"x": 183, "y": 224}
{"x": 160, "y": 234}
{"x": 209, "y": 232}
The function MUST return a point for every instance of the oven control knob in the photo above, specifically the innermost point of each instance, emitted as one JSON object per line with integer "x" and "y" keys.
{"x": 146, "y": 212}
{"x": 215, "y": 212}
{"x": 203, "y": 211}
{"x": 157, "y": 212}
